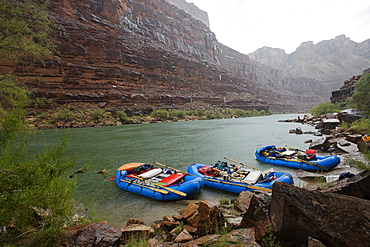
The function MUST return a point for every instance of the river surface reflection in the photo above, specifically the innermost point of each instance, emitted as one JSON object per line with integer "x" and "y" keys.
{"x": 177, "y": 144}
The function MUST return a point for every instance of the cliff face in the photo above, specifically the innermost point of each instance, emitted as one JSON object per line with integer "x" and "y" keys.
{"x": 150, "y": 54}
{"x": 327, "y": 64}
{"x": 191, "y": 9}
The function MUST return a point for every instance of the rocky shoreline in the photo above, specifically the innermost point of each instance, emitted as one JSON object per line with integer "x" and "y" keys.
{"x": 334, "y": 215}
{"x": 328, "y": 212}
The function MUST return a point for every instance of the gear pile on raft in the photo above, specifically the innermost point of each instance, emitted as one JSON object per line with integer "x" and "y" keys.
{"x": 296, "y": 158}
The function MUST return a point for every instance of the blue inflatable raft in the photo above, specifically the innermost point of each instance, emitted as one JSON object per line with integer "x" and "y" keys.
{"x": 239, "y": 179}
{"x": 294, "y": 159}
{"x": 157, "y": 183}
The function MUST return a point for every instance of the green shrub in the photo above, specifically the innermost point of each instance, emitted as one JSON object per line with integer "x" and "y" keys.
{"x": 97, "y": 114}
{"x": 137, "y": 241}
{"x": 361, "y": 96}
{"x": 239, "y": 113}
{"x": 64, "y": 114}
{"x": 122, "y": 116}
{"x": 224, "y": 201}
{"x": 178, "y": 114}
{"x": 325, "y": 108}
{"x": 160, "y": 114}
{"x": 199, "y": 112}
{"x": 362, "y": 126}
{"x": 270, "y": 240}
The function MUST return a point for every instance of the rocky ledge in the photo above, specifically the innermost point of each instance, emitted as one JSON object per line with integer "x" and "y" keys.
{"x": 289, "y": 216}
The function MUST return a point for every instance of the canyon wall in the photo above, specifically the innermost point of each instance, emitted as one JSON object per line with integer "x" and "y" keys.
{"x": 144, "y": 54}
{"x": 319, "y": 68}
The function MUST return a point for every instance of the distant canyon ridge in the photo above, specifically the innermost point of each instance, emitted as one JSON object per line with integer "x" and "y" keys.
{"x": 162, "y": 54}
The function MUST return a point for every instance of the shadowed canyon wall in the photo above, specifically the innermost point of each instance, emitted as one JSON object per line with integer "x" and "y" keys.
{"x": 139, "y": 54}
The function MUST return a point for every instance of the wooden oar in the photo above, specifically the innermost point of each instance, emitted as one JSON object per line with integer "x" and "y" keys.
{"x": 240, "y": 163}
{"x": 308, "y": 163}
{"x": 223, "y": 182}
{"x": 295, "y": 148}
{"x": 142, "y": 185}
{"x": 241, "y": 180}
{"x": 173, "y": 169}
{"x": 163, "y": 187}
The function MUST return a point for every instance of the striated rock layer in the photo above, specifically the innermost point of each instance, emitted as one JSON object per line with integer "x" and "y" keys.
{"x": 136, "y": 54}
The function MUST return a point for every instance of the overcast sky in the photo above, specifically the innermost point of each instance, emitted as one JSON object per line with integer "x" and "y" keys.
{"x": 246, "y": 25}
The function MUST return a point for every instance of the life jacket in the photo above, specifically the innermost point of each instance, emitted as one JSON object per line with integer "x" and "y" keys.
{"x": 311, "y": 154}
{"x": 209, "y": 171}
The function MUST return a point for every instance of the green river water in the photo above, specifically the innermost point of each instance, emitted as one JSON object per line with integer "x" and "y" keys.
{"x": 177, "y": 144}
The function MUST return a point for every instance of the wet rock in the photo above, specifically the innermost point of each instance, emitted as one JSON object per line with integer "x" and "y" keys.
{"x": 320, "y": 144}
{"x": 201, "y": 241}
{"x": 93, "y": 234}
{"x": 347, "y": 147}
{"x": 170, "y": 222}
{"x": 297, "y": 131}
{"x": 211, "y": 218}
{"x": 353, "y": 138}
{"x": 328, "y": 124}
{"x": 309, "y": 132}
{"x": 243, "y": 200}
{"x": 191, "y": 214}
{"x": 136, "y": 230}
{"x": 245, "y": 235}
{"x": 153, "y": 242}
{"x": 333, "y": 219}
{"x": 314, "y": 243}
{"x": 357, "y": 186}
{"x": 184, "y": 236}
{"x": 363, "y": 145}
{"x": 350, "y": 115}
{"x": 190, "y": 229}
{"x": 133, "y": 221}
{"x": 257, "y": 216}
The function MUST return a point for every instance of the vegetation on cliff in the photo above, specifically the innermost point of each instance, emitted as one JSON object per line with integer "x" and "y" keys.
{"x": 35, "y": 192}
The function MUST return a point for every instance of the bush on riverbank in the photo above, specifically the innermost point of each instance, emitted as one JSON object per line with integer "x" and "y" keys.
{"x": 325, "y": 108}
{"x": 77, "y": 115}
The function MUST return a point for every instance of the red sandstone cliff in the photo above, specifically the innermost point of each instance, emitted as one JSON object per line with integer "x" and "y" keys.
{"x": 149, "y": 53}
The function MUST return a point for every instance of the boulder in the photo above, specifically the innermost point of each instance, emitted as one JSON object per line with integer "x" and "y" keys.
{"x": 133, "y": 221}
{"x": 257, "y": 216}
{"x": 244, "y": 235}
{"x": 153, "y": 242}
{"x": 202, "y": 241}
{"x": 314, "y": 243}
{"x": 243, "y": 200}
{"x": 136, "y": 230}
{"x": 333, "y": 219}
{"x": 211, "y": 218}
{"x": 320, "y": 144}
{"x": 170, "y": 222}
{"x": 358, "y": 186}
{"x": 93, "y": 234}
{"x": 191, "y": 214}
{"x": 364, "y": 144}
{"x": 350, "y": 115}
{"x": 190, "y": 229}
{"x": 184, "y": 236}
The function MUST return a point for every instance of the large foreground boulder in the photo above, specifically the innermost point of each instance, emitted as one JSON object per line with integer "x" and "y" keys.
{"x": 257, "y": 216}
{"x": 333, "y": 219}
{"x": 356, "y": 185}
{"x": 205, "y": 216}
{"x": 93, "y": 234}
